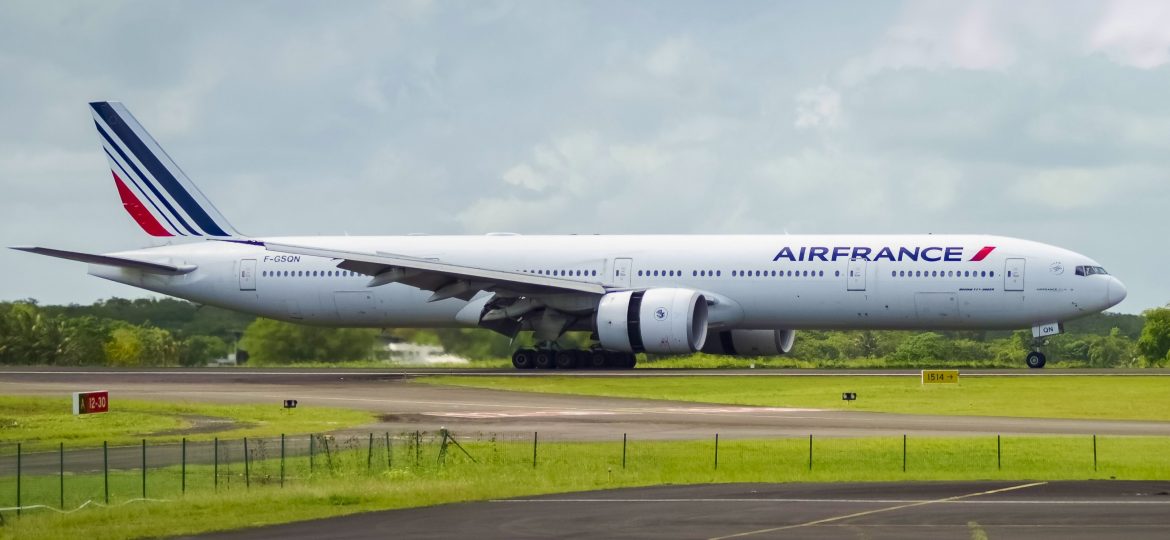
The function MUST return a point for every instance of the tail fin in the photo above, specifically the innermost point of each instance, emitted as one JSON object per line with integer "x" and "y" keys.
{"x": 154, "y": 191}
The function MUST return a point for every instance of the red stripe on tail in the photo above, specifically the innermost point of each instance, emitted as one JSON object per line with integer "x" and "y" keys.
{"x": 983, "y": 253}
{"x": 140, "y": 213}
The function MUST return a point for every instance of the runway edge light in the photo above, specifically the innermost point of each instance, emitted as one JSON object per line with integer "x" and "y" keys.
{"x": 940, "y": 376}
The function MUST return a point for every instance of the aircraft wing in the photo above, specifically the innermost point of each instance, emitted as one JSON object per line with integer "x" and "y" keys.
{"x": 446, "y": 280}
{"x": 112, "y": 260}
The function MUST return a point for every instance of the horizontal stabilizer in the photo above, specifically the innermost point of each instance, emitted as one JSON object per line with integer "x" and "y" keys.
{"x": 109, "y": 260}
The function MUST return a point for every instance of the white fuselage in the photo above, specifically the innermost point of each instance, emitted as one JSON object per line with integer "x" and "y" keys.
{"x": 759, "y": 282}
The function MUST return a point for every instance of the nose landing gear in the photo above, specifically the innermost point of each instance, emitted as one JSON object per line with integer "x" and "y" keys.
{"x": 1035, "y": 360}
{"x": 1040, "y": 333}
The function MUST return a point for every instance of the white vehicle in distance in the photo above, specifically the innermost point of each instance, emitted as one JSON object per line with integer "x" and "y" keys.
{"x": 744, "y": 295}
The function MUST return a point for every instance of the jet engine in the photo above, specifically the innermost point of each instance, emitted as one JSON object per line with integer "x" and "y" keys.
{"x": 660, "y": 321}
{"x": 751, "y": 342}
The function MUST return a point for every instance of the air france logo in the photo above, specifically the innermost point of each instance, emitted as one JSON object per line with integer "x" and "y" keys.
{"x": 661, "y": 313}
{"x": 886, "y": 253}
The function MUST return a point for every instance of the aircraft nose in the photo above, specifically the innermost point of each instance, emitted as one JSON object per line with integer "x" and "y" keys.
{"x": 1117, "y": 291}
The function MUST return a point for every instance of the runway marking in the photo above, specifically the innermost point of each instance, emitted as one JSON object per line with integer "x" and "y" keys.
{"x": 715, "y": 411}
{"x": 518, "y": 414}
{"x": 878, "y": 511}
{"x": 732, "y": 410}
{"x": 1013, "y": 502}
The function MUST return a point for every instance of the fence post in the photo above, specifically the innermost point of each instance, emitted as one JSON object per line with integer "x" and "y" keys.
{"x": 106, "y": 469}
{"x": 183, "y": 474}
{"x": 370, "y": 453}
{"x": 1094, "y": 452}
{"x": 18, "y": 479}
{"x": 61, "y": 472}
{"x": 716, "y": 451}
{"x": 215, "y": 470}
{"x": 282, "y": 460}
{"x": 534, "y": 438}
{"x": 143, "y": 468}
{"x": 810, "y": 451}
{"x": 389, "y": 452}
{"x": 312, "y": 452}
{"x": 247, "y": 470}
{"x": 903, "y": 452}
{"x": 998, "y": 453}
{"x": 417, "y": 446}
{"x": 624, "y": 435}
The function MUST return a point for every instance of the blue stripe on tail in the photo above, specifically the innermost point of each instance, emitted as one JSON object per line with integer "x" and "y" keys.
{"x": 145, "y": 180}
{"x": 157, "y": 169}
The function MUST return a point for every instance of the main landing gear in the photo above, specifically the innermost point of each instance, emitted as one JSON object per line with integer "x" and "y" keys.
{"x": 572, "y": 359}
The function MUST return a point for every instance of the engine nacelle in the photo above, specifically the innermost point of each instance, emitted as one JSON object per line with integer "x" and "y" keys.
{"x": 751, "y": 342}
{"x": 661, "y": 321}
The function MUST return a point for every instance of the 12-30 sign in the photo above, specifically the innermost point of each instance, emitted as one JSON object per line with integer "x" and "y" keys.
{"x": 91, "y": 402}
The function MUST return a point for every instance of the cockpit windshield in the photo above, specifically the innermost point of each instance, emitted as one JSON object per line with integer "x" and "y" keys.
{"x": 1090, "y": 270}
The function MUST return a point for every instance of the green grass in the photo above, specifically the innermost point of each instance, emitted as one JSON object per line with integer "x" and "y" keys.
{"x": 1122, "y": 398}
{"x": 40, "y": 423}
{"x": 505, "y": 469}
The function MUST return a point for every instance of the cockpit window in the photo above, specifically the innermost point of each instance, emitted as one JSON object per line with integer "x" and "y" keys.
{"x": 1090, "y": 270}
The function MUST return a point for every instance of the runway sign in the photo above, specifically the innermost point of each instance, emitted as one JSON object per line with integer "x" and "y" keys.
{"x": 290, "y": 403}
{"x": 97, "y": 401}
{"x": 940, "y": 376}
{"x": 849, "y": 396}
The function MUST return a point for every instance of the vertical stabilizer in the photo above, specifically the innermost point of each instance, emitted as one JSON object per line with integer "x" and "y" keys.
{"x": 153, "y": 189}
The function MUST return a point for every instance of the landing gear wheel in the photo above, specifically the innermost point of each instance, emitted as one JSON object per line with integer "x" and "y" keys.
{"x": 543, "y": 359}
{"x": 1036, "y": 360}
{"x": 566, "y": 359}
{"x": 597, "y": 359}
{"x": 616, "y": 360}
{"x": 631, "y": 360}
{"x": 522, "y": 359}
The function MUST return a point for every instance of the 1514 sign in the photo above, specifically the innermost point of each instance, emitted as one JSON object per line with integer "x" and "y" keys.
{"x": 97, "y": 401}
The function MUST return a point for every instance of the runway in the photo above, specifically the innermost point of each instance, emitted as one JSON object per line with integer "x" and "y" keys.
{"x": 402, "y": 405}
{"x": 936, "y": 510}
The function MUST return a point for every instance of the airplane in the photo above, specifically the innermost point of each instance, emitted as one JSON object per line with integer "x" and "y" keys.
{"x": 741, "y": 295}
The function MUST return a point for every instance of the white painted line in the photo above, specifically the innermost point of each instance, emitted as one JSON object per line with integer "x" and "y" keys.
{"x": 878, "y": 511}
{"x": 519, "y": 414}
{"x": 1072, "y": 502}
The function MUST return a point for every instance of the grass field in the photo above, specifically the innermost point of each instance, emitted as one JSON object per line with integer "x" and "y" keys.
{"x": 40, "y": 423}
{"x": 1129, "y": 398}
{"x": 350, "y": 481}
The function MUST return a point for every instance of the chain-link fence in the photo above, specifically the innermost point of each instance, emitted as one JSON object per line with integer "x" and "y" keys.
{"x": 66, "y": 478}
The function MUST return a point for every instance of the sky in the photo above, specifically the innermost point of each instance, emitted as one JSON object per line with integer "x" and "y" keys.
{"x": 1042, "y": 120}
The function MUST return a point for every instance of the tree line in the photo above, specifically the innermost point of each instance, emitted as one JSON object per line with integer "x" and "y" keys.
{"x": 171, "y": 332}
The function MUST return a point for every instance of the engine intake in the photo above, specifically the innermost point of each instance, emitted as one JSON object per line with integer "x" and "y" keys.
{"x": 660, "y": 321}
{"x": 751, "y": 342}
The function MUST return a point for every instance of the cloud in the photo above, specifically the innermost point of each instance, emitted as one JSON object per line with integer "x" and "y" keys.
{"x": 818, "y": 107}
{"x": 1044, "y": 120}
{"x": 1084, "y": 188}
{"x": 933, "y": 35}
{"x": 1134, "y": 33}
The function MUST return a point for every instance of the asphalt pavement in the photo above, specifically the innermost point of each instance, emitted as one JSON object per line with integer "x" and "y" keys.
{"x": 907, "y": 511}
